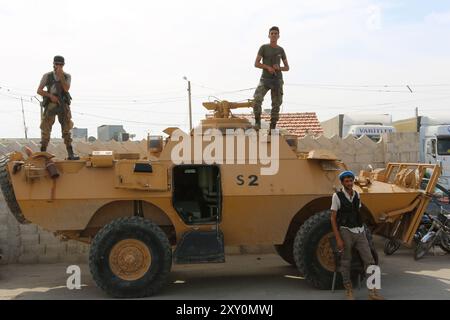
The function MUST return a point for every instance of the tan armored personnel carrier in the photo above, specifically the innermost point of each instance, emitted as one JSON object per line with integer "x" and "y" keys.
{"x": 140, "y": 214}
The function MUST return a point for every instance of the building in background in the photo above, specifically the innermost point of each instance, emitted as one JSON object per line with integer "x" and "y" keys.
{"x": 80, "y": 134}
{"x": 407, "y": 125}
{"x": 296, "y": 123}
{"x": 112, "y": 132}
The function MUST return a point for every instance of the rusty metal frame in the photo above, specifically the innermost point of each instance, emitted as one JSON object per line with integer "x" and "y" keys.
{"x": 424, "y": 199}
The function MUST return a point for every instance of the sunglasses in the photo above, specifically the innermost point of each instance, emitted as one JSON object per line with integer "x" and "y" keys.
{"x": 58, "y": 64}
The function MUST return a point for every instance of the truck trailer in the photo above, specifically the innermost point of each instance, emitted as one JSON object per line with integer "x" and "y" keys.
{"x": 357, "y": 125}
{"x": 434, "y": 140}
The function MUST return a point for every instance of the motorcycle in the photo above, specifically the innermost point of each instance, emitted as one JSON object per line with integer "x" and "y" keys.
{"x": 392, "y": 245}
{"x": 438, "y": 234}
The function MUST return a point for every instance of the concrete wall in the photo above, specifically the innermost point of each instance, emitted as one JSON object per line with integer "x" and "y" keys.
{"x": 332, "y": 126}
{"x": 31, "y": 244}
{"x": 401, "y": 147}
{"x": 356, "y": 153}
{"x": 9, "y": 234}
{"x": 28, "y": 243}
{"x": 359, "y": 153}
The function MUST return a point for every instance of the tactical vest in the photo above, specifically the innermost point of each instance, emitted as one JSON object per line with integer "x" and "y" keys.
{"x": 348, "y": 213}
{"x": 64, "y": 96}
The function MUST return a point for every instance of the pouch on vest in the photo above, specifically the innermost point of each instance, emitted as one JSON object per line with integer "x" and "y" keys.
{"x": 64, "y": 97}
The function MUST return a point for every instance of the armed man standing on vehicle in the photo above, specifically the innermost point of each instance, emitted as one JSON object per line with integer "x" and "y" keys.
{"x": 56, "y": 102}
{"x": 272, "y": 77}
{"x": 349, "y": 231}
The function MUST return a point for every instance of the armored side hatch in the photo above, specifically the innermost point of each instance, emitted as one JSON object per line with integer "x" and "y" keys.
{"x": 141, "y": 175}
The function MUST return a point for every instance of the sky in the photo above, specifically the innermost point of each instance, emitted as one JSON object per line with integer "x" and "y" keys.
{"x": 128, "y": 59}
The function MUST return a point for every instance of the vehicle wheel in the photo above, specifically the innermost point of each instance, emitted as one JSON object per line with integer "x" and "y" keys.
{"x": 130, "y": 257}
{"x": 444, "y": 244}
{"x": 8, "y": 191}
{"x": 286, "y": 251}
{"x": 444, "y": 248}
{"x": 390, "y": 246}
{"x": 313, "y": 254}
{"x": 422, "y": 248}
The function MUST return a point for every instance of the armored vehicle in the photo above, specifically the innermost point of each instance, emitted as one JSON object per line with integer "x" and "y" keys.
{"x": 141, "y": 214}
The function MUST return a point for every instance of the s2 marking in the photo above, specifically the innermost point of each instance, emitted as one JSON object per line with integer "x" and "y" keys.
{"x": 251, "y": 180}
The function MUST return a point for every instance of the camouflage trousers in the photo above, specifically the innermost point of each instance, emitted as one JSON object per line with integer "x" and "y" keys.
{"x": 276, "y": 92}
{"x": 64, "y": 118}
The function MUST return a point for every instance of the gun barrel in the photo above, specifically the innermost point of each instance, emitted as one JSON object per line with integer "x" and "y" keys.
{"x": 225, "y": 104}
{"x": 237, "y": 105}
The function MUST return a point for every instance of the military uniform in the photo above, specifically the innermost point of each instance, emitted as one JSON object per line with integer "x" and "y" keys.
{"x": 51, "y": 110}
{"x": 273, "y": 82}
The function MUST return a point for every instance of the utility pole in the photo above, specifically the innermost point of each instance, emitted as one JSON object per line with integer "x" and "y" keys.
{"x": 417, "y": 112}
{"x": 42, "y": 110}
{"x": 23, "y": 117}
{"x": 40, "y": 104}
{"x": 190, "y": 103}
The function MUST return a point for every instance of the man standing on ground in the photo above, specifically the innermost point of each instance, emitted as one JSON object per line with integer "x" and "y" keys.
{"x": 349, "y": 231}
{"x": 271, "y": 56}
{"x": 56, "y": 102}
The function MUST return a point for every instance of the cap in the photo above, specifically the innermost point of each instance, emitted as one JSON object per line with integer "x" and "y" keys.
{"x": 58, "y": 59}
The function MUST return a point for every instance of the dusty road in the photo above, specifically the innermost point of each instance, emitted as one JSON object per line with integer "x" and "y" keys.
{"x": 242, "y": 277}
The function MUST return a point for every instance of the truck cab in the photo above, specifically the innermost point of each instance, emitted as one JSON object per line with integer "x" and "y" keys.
{"x": 435, "y": 148}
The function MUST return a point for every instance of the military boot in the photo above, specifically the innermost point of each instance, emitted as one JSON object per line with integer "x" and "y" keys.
{"x": 257, "y": 123}
{"x": 349, "y": 291}
{"x": 374, "y": 295}
{"x": 273, "y": 124}
{"x": 71, "y": 155}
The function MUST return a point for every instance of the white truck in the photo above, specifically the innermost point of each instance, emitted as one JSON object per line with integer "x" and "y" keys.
{"x": 434, "y": 134}
{"x": 358, "y": 124}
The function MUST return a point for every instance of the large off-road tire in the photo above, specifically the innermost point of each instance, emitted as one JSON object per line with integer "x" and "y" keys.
{"x": 8, "y": 191}
{"x": 313, "y": 253}
{"x": 130, "y": 257}
{"x": 286, "y": 251}
{"x": 315, "y": 264}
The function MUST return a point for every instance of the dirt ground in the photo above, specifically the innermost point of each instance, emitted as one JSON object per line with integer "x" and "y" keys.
{"x": 257, "y": 277}
{"x": 242, "y": 277}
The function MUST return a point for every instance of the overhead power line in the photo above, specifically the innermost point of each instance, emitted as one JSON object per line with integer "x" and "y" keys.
{"x": 130, "y": 121}
{"x": 96, "y": 103}
{"x": 101, "y": 116}
{"x": 344, "y": 88}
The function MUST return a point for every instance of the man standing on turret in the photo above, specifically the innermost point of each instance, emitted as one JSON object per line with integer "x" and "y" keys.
{"x": 56, "y": 102}
{"x": 271, "y": 56}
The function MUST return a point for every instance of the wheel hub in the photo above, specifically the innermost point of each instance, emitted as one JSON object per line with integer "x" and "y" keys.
{"x": 324, "y": 253}
{"x": 130, "y": 259}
